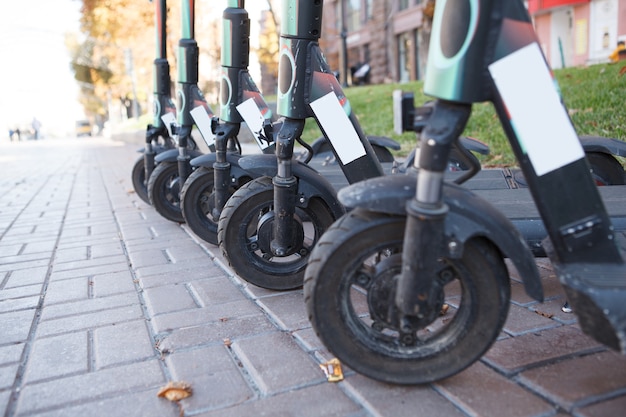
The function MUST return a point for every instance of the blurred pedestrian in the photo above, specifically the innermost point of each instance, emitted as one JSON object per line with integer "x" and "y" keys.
{"x": 36, "y": 125}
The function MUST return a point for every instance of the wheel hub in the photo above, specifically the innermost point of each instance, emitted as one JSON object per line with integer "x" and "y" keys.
{"x": 381, "y": 296}
{"x": 265, "y": 234}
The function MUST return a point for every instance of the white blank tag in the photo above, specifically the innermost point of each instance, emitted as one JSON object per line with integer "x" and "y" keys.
{"x": 203, "y": 122}
{"x": 253, "y": 117}
{"x": 338, "y": 127}
{"x": 537, "y": 115}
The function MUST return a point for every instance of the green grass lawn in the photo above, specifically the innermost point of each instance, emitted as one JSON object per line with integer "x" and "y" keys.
{"x": 595, "y": 97}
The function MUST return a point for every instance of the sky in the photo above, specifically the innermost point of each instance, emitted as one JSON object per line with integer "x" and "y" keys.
{"x": 35, "y": 76}
{"x": 35, "y": 73}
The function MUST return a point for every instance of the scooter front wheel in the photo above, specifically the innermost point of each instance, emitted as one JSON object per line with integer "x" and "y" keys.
{"x": 139, "y": 180}
{"x": 349, "y": 290}
{"x": 164, "y": 191}
{"x": 245, "y": 232}
{"x": 198, "y": 204}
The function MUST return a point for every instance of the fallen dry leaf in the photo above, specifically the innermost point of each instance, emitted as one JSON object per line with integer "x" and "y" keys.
{"x": 227, "y": 342}
{"x": 332, "y": 369}
{"x": 622, "y": 70}
{"x": 444, "y": 309}
{"x": 541, "y": 313}
{"x": 175, "y": 391}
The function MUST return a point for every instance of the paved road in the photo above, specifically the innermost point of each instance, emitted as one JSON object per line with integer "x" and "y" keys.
{"x": 102, "y": 302}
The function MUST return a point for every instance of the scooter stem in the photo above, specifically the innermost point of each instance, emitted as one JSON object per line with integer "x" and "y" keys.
{"x": 418, "y": 289}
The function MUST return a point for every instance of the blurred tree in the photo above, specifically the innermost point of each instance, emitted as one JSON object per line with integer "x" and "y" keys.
{"x": 424, "y": 33}
{"x": 268, "y": 49}
{"x": 113, "y": 29}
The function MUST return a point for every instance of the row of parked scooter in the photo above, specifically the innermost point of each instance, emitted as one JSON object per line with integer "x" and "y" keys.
{"x": 405, "y": 284}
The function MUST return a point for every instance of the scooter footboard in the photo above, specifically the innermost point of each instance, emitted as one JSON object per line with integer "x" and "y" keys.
{"x": 597, "y": 294}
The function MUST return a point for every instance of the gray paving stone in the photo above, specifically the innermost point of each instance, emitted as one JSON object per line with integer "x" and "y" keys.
{"x": 4, "y": 400}
{"x": 180, "y": 253}
{"x": 521, "y": 320}
{"x": 91, "y": 305}
{"x": 88, "y": 320}
{"x": 513, "y": 355}
{"x": 153, "y": 257}
{"x": 314, "y": 401}
{"x": 89, "y": 263}
{"x": 73, "y": 254}
{"x": 183, "y": 275}
{"x": 11, "y": 353}
{"x": 210, "y": 313}
{"x": 397, "y": 401}
{"x": 67, "y": 290}
{"x": 15, "y": 304}
{"x": 269, "y": 360}
{"x": 579, "y": 381}
{"x": 481, "y": 391}
{"x": 610, "y": 407}
{"x": 287, "y": 309}
{"x": 25, "y": 277}
{"x": 10, "y": 250}
{"x": 18, "y": 292}
{"x": 55, "y": 357}
{"x": 89, "y": 386}
{"x": 7, "y": 376}
{"x": 15, "y": 325}
{"x": 83, "y": 242}
{"x": 20, "y": 263}
{"x": 112, "y": 283}
{"x": 214, "y": 375}
{"x": 40, "y": 246}
{"x": 216, "y": 290}
{"x": 104, "y": 250}
{"x": 168, "y": 298}
{"x": 122, "y": 343}
{"x": 178, "y": 268}
{"x": 139, "y": 403}
{"x": 216, "y": 332}
{"x": 89, "y": 271}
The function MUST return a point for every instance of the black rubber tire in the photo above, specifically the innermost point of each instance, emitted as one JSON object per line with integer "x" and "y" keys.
{"x": 198, "y": 202}
{"x": 138, "y": 176}
{"x": 605, "y": 169}
{"x": 344, "y": 279}
{"x": 164, "y": 191}
{"x": 239, "y": 243}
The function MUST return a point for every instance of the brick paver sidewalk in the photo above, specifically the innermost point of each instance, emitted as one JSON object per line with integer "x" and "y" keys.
{"x": 102, "y": 302}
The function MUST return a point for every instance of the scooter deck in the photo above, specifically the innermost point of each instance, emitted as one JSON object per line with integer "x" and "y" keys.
{"x": 505, "y": 190}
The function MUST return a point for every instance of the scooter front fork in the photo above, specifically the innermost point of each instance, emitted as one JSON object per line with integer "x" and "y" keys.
{"x": 221, "y": 166}
{"x": 418, "y": 292}
{"x": 284, "y": 241}
{"x": 152, "y": 135}
{"x": 184, "y": 166}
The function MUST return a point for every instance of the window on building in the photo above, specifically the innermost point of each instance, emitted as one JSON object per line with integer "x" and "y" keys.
{"x": 407, "y": 56}
{"x": 369, "y": 10}
{"x": 353, "y": 15}
{"x": 403, "y": 4}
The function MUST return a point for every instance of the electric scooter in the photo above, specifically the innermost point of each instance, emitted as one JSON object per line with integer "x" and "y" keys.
{"x": 411, "y": 286}
{"x": 217, "y": 175}
{"x": 269, "y": 226}
{"x": 173, "y": 166}
{"x": 157, "y": 136}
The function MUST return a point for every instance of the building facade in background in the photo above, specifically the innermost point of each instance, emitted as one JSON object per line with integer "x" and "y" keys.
{"x": 392, "y": 36}
{"x": 578, "y": 32}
